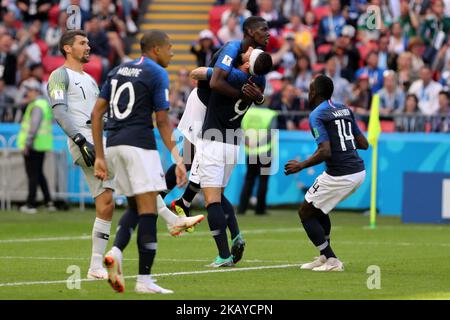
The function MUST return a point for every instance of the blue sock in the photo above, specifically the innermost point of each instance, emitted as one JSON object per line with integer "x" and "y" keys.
{"x": 146, "y": 241}
{"x": 125, "y": 228}
{"x": 231, "y": 217}
{"x": 191, "y": 191}
{"x": 171, "y": 178}
{"x": 218, "y": 226}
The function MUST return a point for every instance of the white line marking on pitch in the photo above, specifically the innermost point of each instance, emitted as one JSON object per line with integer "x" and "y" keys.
{"x": 133, "y": 259}
{"x": 163, "y": 234}
{"x": 16, "y": 284}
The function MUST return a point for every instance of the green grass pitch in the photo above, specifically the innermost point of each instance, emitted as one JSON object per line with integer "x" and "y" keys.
{"x": 414, "y": 260}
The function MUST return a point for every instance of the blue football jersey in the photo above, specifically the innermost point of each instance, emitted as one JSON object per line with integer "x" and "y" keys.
{"x": 135, "y": 90}
{"x": 224, "y": 58}
{"x": 336, "y": 123}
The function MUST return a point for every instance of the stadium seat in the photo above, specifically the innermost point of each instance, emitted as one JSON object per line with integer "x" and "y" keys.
{"x": 51, "y": 63}
{"x": 387, "y": 126}
{"x": 304, "y": 125}
{"x": 43, "y": 46}
{"x": 320, "y": 12}
{"x": 215, "y": 16}
{"x": 53, "y": 15}
{"x": 362, "y": 126}
{"x": 324, "y": 49}
{"x": 94, "y": 68}
{"x": 318, "y": 67}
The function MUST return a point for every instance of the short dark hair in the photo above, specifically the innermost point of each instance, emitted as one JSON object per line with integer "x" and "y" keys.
{"x": 251, "y": 23}
{"x": 153, "y": 38}
{"x": 68, "y": 38}
{"x": 445, "y": 93}
{"x": 263, "y": 64}
{"x": 323, "y": 86}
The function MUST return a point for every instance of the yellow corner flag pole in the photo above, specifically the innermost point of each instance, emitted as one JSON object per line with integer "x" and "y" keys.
{"x": 373, "y": 134}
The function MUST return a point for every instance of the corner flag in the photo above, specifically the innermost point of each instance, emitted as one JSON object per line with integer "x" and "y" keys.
{"x": 373, "y": 134}
{"x": 374, "y": 121}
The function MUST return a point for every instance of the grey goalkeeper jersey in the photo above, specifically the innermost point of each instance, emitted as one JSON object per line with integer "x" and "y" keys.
{"x": 78, "y": 91}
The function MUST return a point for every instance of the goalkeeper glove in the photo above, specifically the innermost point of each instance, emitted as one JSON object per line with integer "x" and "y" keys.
{"x": 86, "y": 149}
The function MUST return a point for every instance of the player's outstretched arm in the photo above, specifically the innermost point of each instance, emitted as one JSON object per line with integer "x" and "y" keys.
{"x": 200, "y": 73}
{"x": 166, "y": 132}
{"x": 100, "y": 108}
{"x": 322, "y": 153}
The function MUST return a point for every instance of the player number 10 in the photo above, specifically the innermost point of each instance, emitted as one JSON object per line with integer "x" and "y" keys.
{"x": 343, "y": 135}
{"x": 115, "y": 96}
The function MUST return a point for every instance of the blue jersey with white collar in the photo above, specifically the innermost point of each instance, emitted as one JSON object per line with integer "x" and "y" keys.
{"x": 135, "y": 90}
{"x": 336, "y": 123}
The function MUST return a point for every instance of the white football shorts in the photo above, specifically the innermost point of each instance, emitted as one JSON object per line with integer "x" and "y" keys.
{"x": 327, "y": 191}
{"x": 136, "y": 170}
{"x": 191, "y": 122}
{"x": 214, "y": 162}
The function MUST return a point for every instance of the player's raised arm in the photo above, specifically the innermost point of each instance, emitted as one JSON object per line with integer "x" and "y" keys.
{"x": 100, "y": 108}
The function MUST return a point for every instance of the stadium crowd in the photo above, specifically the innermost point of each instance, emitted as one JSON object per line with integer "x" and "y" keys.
{"x": 400, "y": 50}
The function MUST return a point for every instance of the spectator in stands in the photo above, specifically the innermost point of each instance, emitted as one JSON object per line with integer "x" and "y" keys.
{"x": 32, "y": 10}
{"x": 427, "y": 92}
{"x": 9, "y": 21}
{"x": 417, "y": 48}
{"x": 179, "y": 94}
{"x": 442, "y": 60}
{"x": 303, "y": 37}
{"x": 127, "y": 7}
{"x": 411, "y": 120}
{"x": 405, "y": 75}
{"x": 98, "y": 41}
{"x": 342, "y": 89}
{"x": 373, "y": 71}
{"x": 204, "y": 48}
{"x": 435, "y": 26}
{"x": 274, "y": 18}
{"x": 361, "y": 97}
{"x": 230, "y": 31}
{"x": 287, "y": 101}
{"x": 392, "y": 98}
{"x": 237, "y": 10}
{"x": 441, "y": 122}
{"x": 114, "y": 27}
{"x": 288, "y": 59}
{"x": 397, "y": 41}
{"x": 409, "y": 20}
{"x": 386, "y": 59}
{"x": 346, "y": 54}
{"x": 8, "y": 64}
{"x": 53, "y": 34}
{"x": 31, "y": 53}
{"x": 330, "y": 27}
{"x": 303, "y": 74}
{"x": 6, "y": 104}
{"x": 287, "y": 8}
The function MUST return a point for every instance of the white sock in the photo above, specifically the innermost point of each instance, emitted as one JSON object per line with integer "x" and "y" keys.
{"x": 187, "y": 204}
{"x": 144, "y": 278}
{"x": 100, "y": 237}
{"x": 116, "y": 252}
{"x": 164, "y": 212}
